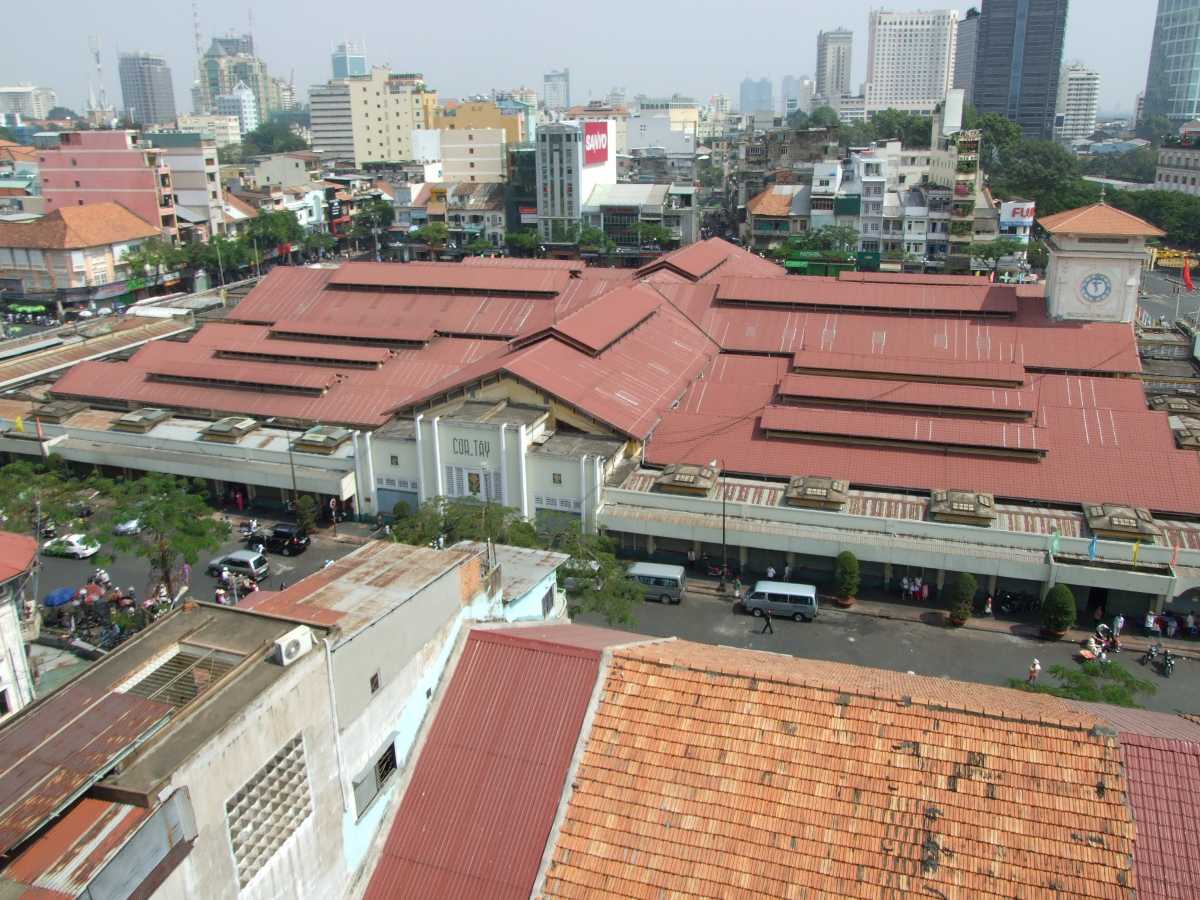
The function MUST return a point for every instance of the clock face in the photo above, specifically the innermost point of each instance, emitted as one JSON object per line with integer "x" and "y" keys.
{"x": 1095, "y": 288}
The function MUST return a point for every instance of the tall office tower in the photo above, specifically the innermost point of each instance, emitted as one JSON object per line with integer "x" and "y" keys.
{"x": 755, "y": 96}
{"x": 833, "y": 63}
{"x": 796, "y": 94}
{"x": 242, "y": 103}
{"x": 910, "y": 59}
{"x": 349, "y": 61}
{"x": 964, "y": 53}
{"x": 1018, "y": 56}
{"x": 1173, "y": 81}
{"x": 1078, "y": 98}
{"x": 146, "y": 88}
{"x": 230, "y": 59}
{"x": 556, "y": 89}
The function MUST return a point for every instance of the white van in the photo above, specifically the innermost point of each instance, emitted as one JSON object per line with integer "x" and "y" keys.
{"x": 784, "y": 599}
{"x": 663, "y": 583}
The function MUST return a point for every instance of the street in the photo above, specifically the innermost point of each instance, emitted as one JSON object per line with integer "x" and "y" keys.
{"x": 1163, "y": 290}
{"x": 127, "y": 571}
{"x": 864, "y": 640}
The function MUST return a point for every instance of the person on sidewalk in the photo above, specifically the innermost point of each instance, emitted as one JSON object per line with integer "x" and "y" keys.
{"x": 987, "y": 605}
{"x": 904, "y": 587}
{"x": 767, "y": 626}
{"x": 1151, "y": 625}
{"x": 924, "y": 591}
{"x": 787, "y": 573}
{"x": 1034, "y": 671}
{"x": 1191, "y": 623}
{"x": 770, "y": 573}
{"x": 1118, "y": 624}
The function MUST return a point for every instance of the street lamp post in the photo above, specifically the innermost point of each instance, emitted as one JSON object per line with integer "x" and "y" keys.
{"x": 724, "y": 544}
{"x": 291, "y": 459}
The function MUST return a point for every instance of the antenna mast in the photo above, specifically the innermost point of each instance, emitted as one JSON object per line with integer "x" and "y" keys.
{"x": 94, "y": 47}
{"x": 196, "y": 30}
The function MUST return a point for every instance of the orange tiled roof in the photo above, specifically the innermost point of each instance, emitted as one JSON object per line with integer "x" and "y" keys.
{"x": 11, "y": 151}
{"x": 76, "y": 227}
{"x": 1099, "y": 219}
{"x": 771, "y": 203}
{"x": 711, "y": 771}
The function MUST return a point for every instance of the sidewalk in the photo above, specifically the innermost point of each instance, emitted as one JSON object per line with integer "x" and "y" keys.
{"x": 934, "y": 616}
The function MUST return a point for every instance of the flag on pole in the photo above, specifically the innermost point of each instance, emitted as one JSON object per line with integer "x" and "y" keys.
{"x": 1187, "y": 275}
{"x": 1093, "y": 547}
{"x": 1137, "y": 548}
{"x": 1054, "y": 539}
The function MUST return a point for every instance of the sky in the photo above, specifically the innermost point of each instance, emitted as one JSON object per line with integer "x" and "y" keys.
{"x": 698, "y": 47}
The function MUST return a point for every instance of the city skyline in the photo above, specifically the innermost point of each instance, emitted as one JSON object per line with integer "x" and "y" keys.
{"x": 62, "y": 62}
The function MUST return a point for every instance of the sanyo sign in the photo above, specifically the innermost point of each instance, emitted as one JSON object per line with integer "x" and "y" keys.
{"x": 595, "y": 143}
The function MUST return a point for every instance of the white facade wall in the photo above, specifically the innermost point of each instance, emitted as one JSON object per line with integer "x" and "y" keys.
{"x": 1078, "y": 96}
{"x": 474, "y": 155}
{"x": 331, "y": 120}
{"x": 910, "y": 59}
{"x": 16, "y": 682}
{"x": 427, "y": 145}
{"x": 222, "y": 129}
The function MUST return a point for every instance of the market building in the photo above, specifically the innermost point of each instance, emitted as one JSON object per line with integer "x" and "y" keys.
{"x": 564, "y": 390}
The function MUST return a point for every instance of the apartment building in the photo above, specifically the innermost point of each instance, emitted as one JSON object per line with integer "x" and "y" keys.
{"x": 480, "y": 114}
{"x": 370, "y": 118}
{"x": 572, "y": 158}
{"x": 474, "y": 155}
{"x": 617, "y": 210}
{"x": 556, "y": 89}
{"x": 83, "y": 167}
{"x": 196, "y": 181}
{"x": 225, "y": 130}
{"x": 240, "y": 103}
{"x": 834, "y": 56}
{"x": 964, "y": 53}
{"x": 231, "y": 60}
{"x": 910, "y": 59}
{"x": 27, "y": 100}
{"x": 1078, "y": 98}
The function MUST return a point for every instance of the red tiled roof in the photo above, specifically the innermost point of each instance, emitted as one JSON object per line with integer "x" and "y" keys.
{"x": 982, "y": 299}
{"x": 771, "y": 203}
{"x": 1099, "y": 219}
{"x": 442, "y": 277}
{"x": 873, "y": 393}
{"x": 711, "y": 771}
{"x": 1164, "y": 791}
{"x": 78, "y": 227}
{"x": 17, "y": 554}
{"x": 484, "y": 792}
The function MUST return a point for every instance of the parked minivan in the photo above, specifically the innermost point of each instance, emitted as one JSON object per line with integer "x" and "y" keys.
{"x": 793, "y": 601}
{"x": 663, "y": 583}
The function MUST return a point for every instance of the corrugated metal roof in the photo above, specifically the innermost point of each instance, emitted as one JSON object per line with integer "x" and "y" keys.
{"x": 910, "y": 298}
{"x": 399, "y": 332}
{"x": 879, "y": 393}
{"x": 55, "y": 750}
{"x": 263, "y": 374}
{"x": 609, "y": 316}
{"x": 980, "y": 372}
{"x": 443, "y": 277}
{"x": 484, "y": 792}
{"x": 17, "y": 554}
{"x": 292, "y": 349}
{"x": 913, "y": 278}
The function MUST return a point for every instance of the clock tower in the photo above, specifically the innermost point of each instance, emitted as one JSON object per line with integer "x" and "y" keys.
{"x": 1096, "y": 259}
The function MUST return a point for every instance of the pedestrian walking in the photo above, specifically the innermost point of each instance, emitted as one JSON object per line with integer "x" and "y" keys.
{"x": 770, "y": 573}
{"x": 924, "y": 591}
{"x": 904, "y": 587}
{"x": 187, "y": 574}
{"x": 1118, "y": 624}
{"x": 692, "y": 560}
{"x": 1034, "y": 671}
{"x": 987, "y": 605}
{"x": 767, "y": 626}
{"x": 787, "y": 573}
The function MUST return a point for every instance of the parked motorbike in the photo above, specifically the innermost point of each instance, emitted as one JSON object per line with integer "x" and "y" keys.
{"x": 1015, "y": 602}
{"x": 1153, "y": 652}
{"x": 1168, "y": 663}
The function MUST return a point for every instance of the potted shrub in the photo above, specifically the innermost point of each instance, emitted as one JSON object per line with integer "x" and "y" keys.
{"x": 962, "y": 598}
{"x": 845, "y": 577}
{"x": 1058, "y": 611}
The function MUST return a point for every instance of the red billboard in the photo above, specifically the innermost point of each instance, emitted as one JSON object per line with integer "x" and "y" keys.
{"x": 595, "y": 143}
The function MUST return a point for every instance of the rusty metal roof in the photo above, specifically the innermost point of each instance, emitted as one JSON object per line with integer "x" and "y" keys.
{"x": 416, "y": 276}
{"x": 484, "y": 792}
{"x": 55, "y": 750}
{"x": 17, "y": 553}
{"x": 909, "y": 298}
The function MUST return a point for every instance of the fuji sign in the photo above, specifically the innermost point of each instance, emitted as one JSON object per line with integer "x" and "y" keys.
{"x": 595, "y": 143}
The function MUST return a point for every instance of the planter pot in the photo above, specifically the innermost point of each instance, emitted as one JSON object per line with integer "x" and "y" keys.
{"x": 1054, "y": 634}
{"x": 955, "y": 621}
{"x": 844, "y": 602}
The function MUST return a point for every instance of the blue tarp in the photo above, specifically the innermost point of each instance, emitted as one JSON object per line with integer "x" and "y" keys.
{"x": 61, "y": 597}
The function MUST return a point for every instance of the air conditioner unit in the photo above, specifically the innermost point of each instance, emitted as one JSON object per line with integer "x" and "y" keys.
{"x": 293, "y": 645}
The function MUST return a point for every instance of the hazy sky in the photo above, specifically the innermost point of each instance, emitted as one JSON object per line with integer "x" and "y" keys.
{"x": 699, "y": 47}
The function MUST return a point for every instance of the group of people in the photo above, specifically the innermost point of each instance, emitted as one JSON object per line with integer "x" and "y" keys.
{"x": 1171, "y": 625}
{"x": 915, "y": 589}
{"x": 230, "y": 587}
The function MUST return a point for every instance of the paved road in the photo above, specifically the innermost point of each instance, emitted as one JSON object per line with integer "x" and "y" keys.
{"x": 130, "y": 570}
{"x": 839, "y": 636}
{"x": 1161, "y": 293}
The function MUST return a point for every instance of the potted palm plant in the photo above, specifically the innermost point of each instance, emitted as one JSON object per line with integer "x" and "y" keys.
{"x": 845, "y": 576}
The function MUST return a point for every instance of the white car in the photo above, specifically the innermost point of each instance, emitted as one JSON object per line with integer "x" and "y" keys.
{"x": 133, "y": 526}
{"x": 76, "y": 545}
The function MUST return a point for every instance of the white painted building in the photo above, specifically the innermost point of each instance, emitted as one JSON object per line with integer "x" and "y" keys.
{"x": 572, "y": 158}
{"x": 225, "y": 130}
{"x": 910, "y": 59}
{"x": 240, "y": 102}
{"x": 1078, "y": 97}
{"x": 19, "y": 620}
{"x": 474, "y": 155}
{"x": 27, "y": 100}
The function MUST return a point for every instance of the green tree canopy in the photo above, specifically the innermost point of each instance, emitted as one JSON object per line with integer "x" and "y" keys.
{"x": 594, "y": 579}
{"x": 653, "y": 233}
{"x": 823, "y": 117}
{"x": 376, "y": 213}
{"x": 435, "y": 234}
{"x": 479, "y": 246}
{"x": 523, "y": 242}
{"x": 1136, "y": 165}
{"x": 62, "y": 112}
{"x": 154, "y": 257}
{"x": 1058, "y": 609}
{"x": 961, "y": 597}
{"x": 272, "y": 137}
{"x": 177, "y": 524}
{"x": 992, "y": 252}
{"x": 828, "y": 239}
{"x": 845, "y": 574}
{"x": 1093, "y": 682}
{"x": 32, "y": 494}
{"x": 462, "y": 519}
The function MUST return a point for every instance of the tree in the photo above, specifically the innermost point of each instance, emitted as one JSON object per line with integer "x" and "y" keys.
{"x": 1092, "y": 682}
{"x": 479, "y": 246}
{"x": 272, "y": 137}
{"x": 961, "y": 599}
{"x": 591, "y": 238}
{"x": 6, "y": 135}
{"x": 435, "y": 234}
{"x": 823, "y": 117}
{"x": 155, "y": 257}
{"x": 798, "y": 118}
{"x": 992, "y": 252}
{"x": 176, "y": 522}
{"x": 828, "y": 239}
{"x": 306, "y": 513}
{"x": 593, "y": 578}
{"x": 1136, "y": 165}
{"x": 845, "y": 574}
{"x": 523, "y": 242}
{"x": 998, "y": 136}
{"x": 270, "y": 229}
{"x": 34, "y": 494}
{"x": 376, "y": 213}
{"x": 1058, "y": 610}
{"x": 62, "y": 112}
{"x": 1044, "y": 172}
{"x": 320, "y": 243}
{"x": 1155, "y": 128}
{"x": 463, "y": 519}
{"x": 653, "y": 233}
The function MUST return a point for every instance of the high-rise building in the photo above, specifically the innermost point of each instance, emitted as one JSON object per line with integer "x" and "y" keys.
{"x": 756, "y": 97}
{"x": 239, "y": 102}
{"x": 370, "y": 118}
{"x": 349, "y": 61}
{"x": 572, "y": 158}
{"x": 146, "y": 88}
{"x": 196, "y": 179}
{"x": 230, "y": 59}
{"x": 796, "y": 94}
{"x": 1078, "y": 96}
{"x": 556, "y": 89}
{"x": 224, "y": 130}
{"x": 833, "y": 63}
{"x": 1173, "y": 80}
{"x": 27, "y": 101}
{"x": 910, "y": 59}
{"x": 1018, "y": 55}
{"x": 964, "y": 53}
